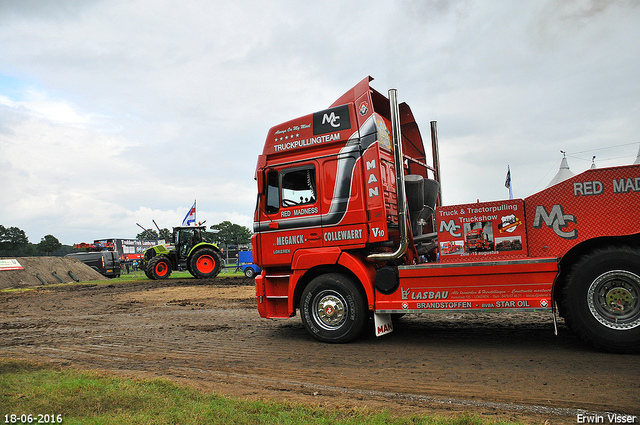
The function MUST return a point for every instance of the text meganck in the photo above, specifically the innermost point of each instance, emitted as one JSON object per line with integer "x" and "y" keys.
{"x": 290, "y": 240}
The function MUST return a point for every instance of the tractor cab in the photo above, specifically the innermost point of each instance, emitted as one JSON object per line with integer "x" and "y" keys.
{"x": 185, "y": 238}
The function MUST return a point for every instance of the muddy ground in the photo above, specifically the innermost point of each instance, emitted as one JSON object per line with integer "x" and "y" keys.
{"x": 207, "y": 333}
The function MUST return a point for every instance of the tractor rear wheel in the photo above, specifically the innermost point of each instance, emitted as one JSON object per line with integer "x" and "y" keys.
{"x": 205, "y": 263}
{"x": 159, "y": 267}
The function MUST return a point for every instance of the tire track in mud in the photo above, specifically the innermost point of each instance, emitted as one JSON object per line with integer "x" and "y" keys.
{"x": 212, "y": 336}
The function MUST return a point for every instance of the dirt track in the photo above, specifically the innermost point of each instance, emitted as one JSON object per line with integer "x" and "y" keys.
{"x": 208, "y": 334}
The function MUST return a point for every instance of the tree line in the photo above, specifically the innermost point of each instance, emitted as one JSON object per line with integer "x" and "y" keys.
{"x": 15, "y": 243}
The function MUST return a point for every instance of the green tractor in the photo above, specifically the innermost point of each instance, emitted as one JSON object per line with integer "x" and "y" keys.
{"x": 186, "y": 252}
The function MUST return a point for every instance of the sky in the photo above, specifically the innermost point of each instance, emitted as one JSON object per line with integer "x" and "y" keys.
{"x": 120, "y": 112}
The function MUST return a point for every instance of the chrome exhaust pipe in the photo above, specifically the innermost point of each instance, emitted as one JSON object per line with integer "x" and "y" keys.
{"x": 401, "y": 197}
{"x": 436, "y": 159}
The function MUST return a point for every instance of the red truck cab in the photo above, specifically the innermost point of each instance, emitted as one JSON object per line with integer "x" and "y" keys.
{"x": 348, "y": 226}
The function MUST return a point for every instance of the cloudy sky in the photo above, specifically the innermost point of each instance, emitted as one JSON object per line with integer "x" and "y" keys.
{"x": 118, "y": 112}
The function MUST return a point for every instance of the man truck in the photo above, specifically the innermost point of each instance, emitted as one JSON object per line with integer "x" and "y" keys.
{"x": 349, "y": 227}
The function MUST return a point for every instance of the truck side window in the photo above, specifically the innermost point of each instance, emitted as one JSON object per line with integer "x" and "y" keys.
{"x": 273, "y": 192}
{"x": 299, "y": 187}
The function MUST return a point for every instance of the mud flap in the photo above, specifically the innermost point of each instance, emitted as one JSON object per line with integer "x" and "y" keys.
{"x": 383, "y": 323}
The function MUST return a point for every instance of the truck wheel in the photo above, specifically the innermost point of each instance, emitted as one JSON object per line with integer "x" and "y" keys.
{"x": 249, "y": 272}
{"x": 602, "y": 299}
{"x": 205, "y": 263}
{"x": 333, "y": 308}
{"x": 159, "y": 267}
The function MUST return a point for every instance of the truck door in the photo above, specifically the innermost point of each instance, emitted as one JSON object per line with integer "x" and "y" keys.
{"x": 291, "y": 217}
{"x": 344, "y": 219}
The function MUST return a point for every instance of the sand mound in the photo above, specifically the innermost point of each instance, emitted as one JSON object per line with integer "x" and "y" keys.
{"x": 36, "y": 268}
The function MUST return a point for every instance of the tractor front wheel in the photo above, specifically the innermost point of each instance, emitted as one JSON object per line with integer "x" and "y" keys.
{"x": 205, "y": 263}
{"x": 159, "y": 268}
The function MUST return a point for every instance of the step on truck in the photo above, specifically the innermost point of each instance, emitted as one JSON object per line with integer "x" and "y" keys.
{"x": 349, "y": 226}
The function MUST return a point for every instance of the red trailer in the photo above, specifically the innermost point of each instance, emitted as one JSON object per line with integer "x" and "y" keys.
{"x": 348, "y": 226}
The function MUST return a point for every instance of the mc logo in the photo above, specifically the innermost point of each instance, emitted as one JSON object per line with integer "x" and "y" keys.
{"x": 331, "y": 119}
{"x": 451, "y": 227}
{"x": 555, "y": 220}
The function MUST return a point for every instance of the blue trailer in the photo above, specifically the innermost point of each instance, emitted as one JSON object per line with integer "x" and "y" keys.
{"x": 245, "y": 259}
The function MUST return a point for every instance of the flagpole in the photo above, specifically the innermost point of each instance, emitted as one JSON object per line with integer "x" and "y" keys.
{"x": 195, "y": 220}
{"x": 507, "y": 182}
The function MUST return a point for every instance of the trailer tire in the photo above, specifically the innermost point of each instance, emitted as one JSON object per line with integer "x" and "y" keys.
{"x": 205, "y": 263}
{"x": 333, "y": 308}
{"x": 601, "y": 299}
{"x": 249, "y": 272}
{"x": 159, "y": 267}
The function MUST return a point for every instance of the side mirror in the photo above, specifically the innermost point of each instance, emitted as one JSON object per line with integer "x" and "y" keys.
{"x": 261, "y": 179}
{"x": 260, "y": 174}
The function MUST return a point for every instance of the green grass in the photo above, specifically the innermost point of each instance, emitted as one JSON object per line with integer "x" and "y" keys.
{"x": 123, "y": 279}
{"x": 83, "y": 397}
{"x": 139, "y": 275}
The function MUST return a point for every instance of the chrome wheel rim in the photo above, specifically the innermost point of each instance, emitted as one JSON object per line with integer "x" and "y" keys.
{"x": 329, "y": 310}
{"x": 614, "y": 299}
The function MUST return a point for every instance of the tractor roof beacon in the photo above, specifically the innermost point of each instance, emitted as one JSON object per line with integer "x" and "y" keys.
{"x": 187, "y": 251}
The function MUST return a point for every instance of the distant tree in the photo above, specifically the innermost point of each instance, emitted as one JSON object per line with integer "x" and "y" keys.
{"x": 64, "y": 250}
{"x": 167, "y": 234}
{"x": 146, "y": 236}
{"x": 49, "y": 244}
{"x": 13, "y": 240}
{"x": 229, "y": 234}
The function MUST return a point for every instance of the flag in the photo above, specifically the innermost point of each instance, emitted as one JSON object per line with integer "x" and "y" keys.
{"x": 191, "y": 216}
{"x": 507, "y": 182}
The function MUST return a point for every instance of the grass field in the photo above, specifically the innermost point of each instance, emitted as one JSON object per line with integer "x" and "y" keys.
{"x": 124, "y": 278}
{"x": 37, "y": 393}
{"x": 139, "y": 275}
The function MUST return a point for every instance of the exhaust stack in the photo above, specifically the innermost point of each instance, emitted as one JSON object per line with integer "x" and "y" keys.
{"x": 400, "y": 189}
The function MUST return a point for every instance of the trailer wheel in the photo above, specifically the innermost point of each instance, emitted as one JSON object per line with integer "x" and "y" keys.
{"x": 249, "y": 272}
{"x": 159, "y": 267}
{"x": 205, "y": 263}
{"x": 602, "y": 299}
{"x": 333, "y": 308}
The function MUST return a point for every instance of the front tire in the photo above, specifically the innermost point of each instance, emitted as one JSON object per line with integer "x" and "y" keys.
{"x": 159, "y": 267}
{"x": 205, "y": 263}
{"x": 333, "y": 308}
{"x": 601, "y": 299}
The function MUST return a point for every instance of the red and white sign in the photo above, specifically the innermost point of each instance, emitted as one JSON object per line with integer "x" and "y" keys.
{"x": 11, "y": 264}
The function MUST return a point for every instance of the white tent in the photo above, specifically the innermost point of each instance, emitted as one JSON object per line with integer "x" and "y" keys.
{"x": 637, "y": 158}
{"x": 563, "y": 173}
